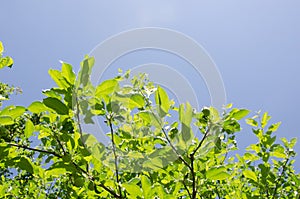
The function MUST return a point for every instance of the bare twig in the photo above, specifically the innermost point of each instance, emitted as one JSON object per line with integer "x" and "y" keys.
{"x": 109, "y": 120}
{"x": 34, "y": 149}
{"x": 185, "y": 186}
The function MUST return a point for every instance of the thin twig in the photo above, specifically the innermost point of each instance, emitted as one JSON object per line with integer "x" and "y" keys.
{"x": 91, "y": 178}
{"x": 192, "y": 158}
{"x": 36, "y": 150}
{"x": 185, "y": 186}
{"x": 201, "y": 142}
{"x": 115, "y": 155}
{"x": 280, "y": 176}
{"x": 165, "y": 133}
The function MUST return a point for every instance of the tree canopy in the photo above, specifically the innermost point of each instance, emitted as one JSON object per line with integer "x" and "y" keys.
{"x": 156, "y": 149}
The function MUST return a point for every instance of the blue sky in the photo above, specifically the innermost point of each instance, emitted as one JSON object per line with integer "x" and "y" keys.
{"x": 255, "y": 45}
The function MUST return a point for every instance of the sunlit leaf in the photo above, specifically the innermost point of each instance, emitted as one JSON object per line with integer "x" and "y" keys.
{"x": 6, "y": 120}
{"x": 136, "y": 100}
{"x": 250, "y": 174}
{"x": 217, "y": 173}
{"x": 107, "y": 87}
{"x": 37, "y": 107}
{"x": 252, "y": 122}
{"x": 162, "y": 101}
{"x": 58, "y": 78}
{"x": 133, "y": 190}
{"x": 29, "y": 128}
{"x": 240, "y": 114}
{"x": 146, "y": 186}
{"x": 67, "y": 72}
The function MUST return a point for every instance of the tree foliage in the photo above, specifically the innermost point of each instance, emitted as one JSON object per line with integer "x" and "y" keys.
{"x": 156, "y": 149}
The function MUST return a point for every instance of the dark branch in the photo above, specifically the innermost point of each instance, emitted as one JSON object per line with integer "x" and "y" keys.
{"x": 115, "y": 154}
{"x": 34, "y": 149}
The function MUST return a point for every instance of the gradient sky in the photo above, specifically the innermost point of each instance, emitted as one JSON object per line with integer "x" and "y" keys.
{"x": 255, "y": 45}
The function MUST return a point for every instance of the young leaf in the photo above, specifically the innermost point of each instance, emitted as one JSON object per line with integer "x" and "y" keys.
{"x": 29, "y": 128}
{"x": 85, "y": 70}
{"x": 107, "y": 87}
{"x": 133, "y": 190}
{"x": 250, "y": 174}
{"x": 217, "y": 173}
{"x": 6, "y": 120}
{"x": 136, "y": 100}
{"x": 58, "y": 78}
{"x": 68, "y": 73}
{"x": 146, "y": 186}
{"x": 162, "y": 101}
{"x": 6, "y": 61}
{"x": 1, "y": 48}
{"x": 252, "y": 122}
{"x": 37, "y": 107}
{"x": 13, "y": 111}
{"x": 265, "y": 119}
{"x": 240, "y": 114}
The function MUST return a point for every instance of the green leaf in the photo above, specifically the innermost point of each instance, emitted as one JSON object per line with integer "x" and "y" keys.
{"x": 146, "y": 186}
{"x": 58, "y": 78}
{"x": 85, "y": 70}
{"x": 67, "y": 73}
{"x": 217, "y": 173}
{"x": 133, "y": 190}
{"x": 1, "y": 48}
{"x": 214, "y": 114}
{"x": 185, "y": 115}
{"x": 250, "y": 174}
{"x": 29, "y": 128}
{"x": 13, "y": 111}
{"x": 89, "y": 140}
{"x": 274, "y": 127}
{"x": 136, "y": 100}
{"x": 6, "y": 62}
{"x": 56, "y": 172}
{"x": 240, "y": 114}
{"x": 150, "y": 118}
{"x": 25, "y": 164}
{"x": 252, "y": 122}
{"x": 6, "y": 120}
{"x": 293, "y": 142}
{"x": 37, "y": 107}
{"x": 153, "y": 163}
{"x": 56, "y": 105}
{"x": 278, "y": 154}
{"x": 265, "y": 119}
{"x": 107, "y": 87}
{"x": 163, "y": 102}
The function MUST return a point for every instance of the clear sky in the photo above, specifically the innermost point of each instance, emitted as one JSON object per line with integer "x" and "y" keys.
{"x": 255, "y": 45}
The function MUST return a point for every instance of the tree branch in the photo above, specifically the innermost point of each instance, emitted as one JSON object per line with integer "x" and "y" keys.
{"x": 201, "y": 142}
{"x": 115, "y": 154}
{"x": 165, "y": 133}
{"x": 36, "y": 150}
{"x": 279, "y": 180}
{"x": 91, "y": 178}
